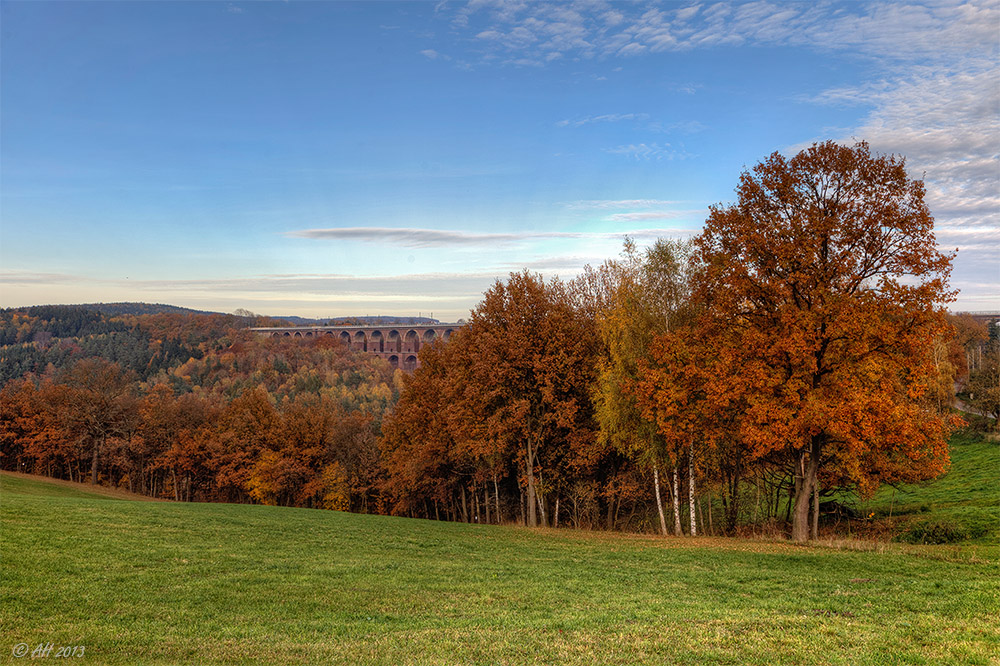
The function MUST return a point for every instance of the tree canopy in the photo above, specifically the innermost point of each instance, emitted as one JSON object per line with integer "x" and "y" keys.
{"x": 827, "y": 267}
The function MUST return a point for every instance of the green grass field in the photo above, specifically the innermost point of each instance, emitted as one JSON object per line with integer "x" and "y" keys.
{"x": 963, "y": 504}
{"x": 167, "y": 583}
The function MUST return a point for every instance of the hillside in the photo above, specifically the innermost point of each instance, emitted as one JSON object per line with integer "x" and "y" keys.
{"x": 31, "y": 484}
{"x": 181, "y": 583}
{"x": 964, "y": 504}
{"x": 135, "y": 309}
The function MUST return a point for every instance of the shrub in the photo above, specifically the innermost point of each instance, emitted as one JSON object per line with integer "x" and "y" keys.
{"x": 935, "y": 531}
{"x": 944, "y": 530}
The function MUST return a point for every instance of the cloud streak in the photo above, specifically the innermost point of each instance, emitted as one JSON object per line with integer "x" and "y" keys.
{"x": 658, "y": 215}
{"x": 606, "y": 118}
{"x": 423, "y": 238}
{"x": 620, "y": 203}
{"x": 649, "y": 151}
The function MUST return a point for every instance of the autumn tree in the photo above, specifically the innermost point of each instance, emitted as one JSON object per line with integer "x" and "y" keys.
{"x": 417, "y": 443}
{"x": 644, "y": 295}
{"x": 33, "y": 434}
{"x": 97, "y": 404}
{"x": 529, "y": 379}
{"x": 828, "y": 269}
{"x": 692, "y": 387}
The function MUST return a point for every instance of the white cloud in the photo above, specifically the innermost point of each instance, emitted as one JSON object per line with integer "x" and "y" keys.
{"x": 896, "y": 31}
{"x": 620, "y": 203}
{"x": 605, "y": 118}
{"x": 658, "y": 215}
{"x": 945, "y": 120}
{"x": 438, "y": 238}
{"x": 8, "y": 277}
{"x": 649, "y": 151}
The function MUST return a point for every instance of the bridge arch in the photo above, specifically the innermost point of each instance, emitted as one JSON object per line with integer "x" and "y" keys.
{"x": 360, "y": 342}
{"x": 410, "y": 363}
{"x": 395, "y": 342}
{"x": 376, "y": 342}
{"x": 345, "y": 338}
{"x": 394, "y": 361}
{"x": 411, "y": 342}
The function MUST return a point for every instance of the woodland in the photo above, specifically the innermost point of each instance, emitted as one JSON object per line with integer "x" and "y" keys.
{"x": 794, "y": 354}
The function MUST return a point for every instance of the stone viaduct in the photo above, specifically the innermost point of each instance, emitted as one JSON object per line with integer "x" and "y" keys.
{"x": 985, "y": 316}
{"x": 397, "y": 343}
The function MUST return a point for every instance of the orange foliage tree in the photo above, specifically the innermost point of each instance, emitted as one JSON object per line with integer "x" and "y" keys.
{"x": 530, "y": 376}
{"x": 828, "y": 270}
{"x": 97, "y": 404}
{"x": 509, "y": 392}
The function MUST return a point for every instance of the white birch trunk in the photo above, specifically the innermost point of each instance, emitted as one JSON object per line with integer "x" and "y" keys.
{"x": 694, "y": 521}
{"x": 678, "y": 531}
{"x": 659, "y": 502}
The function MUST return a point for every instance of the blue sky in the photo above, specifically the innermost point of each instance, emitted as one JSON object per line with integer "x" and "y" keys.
{"x": 333, "y": 158}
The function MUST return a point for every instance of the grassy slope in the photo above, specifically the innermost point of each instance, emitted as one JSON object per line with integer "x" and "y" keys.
{"x": 967, "y": 497}
{"x": 163, "y": 583}
{"x": 29, "y": 484}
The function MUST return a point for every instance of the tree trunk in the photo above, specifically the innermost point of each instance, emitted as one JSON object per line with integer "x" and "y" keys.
{"x": 804, "y": 482}
{"x": 694, "y": 522}
{"x": 756, "y": 504}
{"x": 556, "y": 515}
{"x": 177, "y": 497}
{"x": 815, "y": 520}
{"x": 659, "y": 502}
{"x": 496, "y": 493}
{"x": 677, "y": 504}
{"x": 93, "y": 463}
{"x": 711, "y": 530}
{"x": 496, "y": 497}
{"x": 530, "y": 463}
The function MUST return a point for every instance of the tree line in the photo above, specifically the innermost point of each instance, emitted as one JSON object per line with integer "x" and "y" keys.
{"x": 796, "y": 349}
{"x": 259, "y": 420}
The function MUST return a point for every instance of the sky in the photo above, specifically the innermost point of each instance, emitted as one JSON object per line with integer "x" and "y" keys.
{"x": 331, "y": 159}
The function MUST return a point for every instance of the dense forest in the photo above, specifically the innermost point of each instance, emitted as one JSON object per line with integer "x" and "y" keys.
{"x": 744, "y": 380}
{"x": 193, "y": 407}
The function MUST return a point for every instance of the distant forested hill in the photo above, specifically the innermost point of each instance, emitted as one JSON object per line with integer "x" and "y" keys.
{"x": 149, "y": 340}
{"x": 146, "y": 339}
{"x": 120, "y": 309}
{"x": 138, "y": 309}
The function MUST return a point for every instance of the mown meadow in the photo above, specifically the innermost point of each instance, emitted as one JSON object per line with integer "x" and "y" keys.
{"x": 180, "y": 583}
